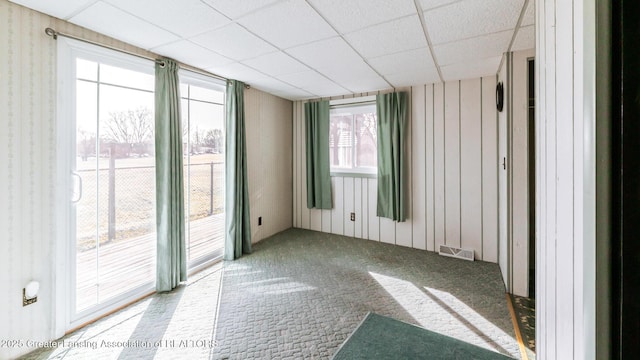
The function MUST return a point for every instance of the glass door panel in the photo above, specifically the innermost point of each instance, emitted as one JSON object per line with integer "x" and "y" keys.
{"x": 114, "y": 173}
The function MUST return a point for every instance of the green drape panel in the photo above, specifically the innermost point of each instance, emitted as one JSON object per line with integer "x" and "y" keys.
{"x": 317, "y": 148}
{"x": 392, "y": 159}
{"x": 171, "y": 253}
{"x": 238, "y": 225}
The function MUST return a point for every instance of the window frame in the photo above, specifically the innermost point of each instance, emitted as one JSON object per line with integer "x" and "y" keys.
{"x": 360, "y": 172}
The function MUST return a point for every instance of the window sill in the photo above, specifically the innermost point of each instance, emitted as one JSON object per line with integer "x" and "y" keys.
{"x": 354, "y": 174}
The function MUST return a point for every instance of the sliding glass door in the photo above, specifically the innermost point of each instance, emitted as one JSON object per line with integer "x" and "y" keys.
{"x": 113, "y": 178}
{"x": 203, "y": 130}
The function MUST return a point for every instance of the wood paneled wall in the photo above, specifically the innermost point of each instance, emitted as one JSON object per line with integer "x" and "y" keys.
{"x": 268, "y": 136}
{"x": 453, "y": 176}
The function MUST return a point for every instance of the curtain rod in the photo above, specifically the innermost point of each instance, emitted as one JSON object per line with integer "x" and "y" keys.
{"x": 54, "y": 34}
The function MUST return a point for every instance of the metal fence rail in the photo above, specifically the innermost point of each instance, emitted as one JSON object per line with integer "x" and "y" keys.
{"x": 122, "y": 200}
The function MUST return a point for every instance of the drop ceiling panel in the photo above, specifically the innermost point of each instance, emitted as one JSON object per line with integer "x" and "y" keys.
{"x": 409, "y": 78}
{"x": 313, "y": 83}
{"x": 184, "y": 18}
{"x": 348, "y": 16}
{"x": 389, "y": 38}
{"x": 102, "y": 17}
{"x": 288, "y": 24}
{"x": 235, "y": 9}
{"x": 529, "y": 17}
{"x": 473, "y": 49}
{"x": 416, "y": 60}
{"x": 472, "y": 69}
{"x": 276, "y": 63}
{"x": 237, "y": 71}
{"x": 471, "y": 18}
{"x": 192, "y": 54}
{"x": 356, "y": 77}
{"x": 430, "y": 4}
{"x": 525, "y": 39}
{"x": 234, "y": 42}
{"x": 325, "y": 53}
{"x": 59, "y": 9}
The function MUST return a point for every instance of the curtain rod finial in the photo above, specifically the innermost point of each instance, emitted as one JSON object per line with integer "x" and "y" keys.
{"x": 49, "y": 31}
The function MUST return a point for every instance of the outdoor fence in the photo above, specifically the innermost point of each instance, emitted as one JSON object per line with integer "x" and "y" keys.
{"x": 121, "y": 200}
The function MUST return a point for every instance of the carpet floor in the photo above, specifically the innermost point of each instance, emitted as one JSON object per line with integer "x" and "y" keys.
{"x": 299, "y": 295}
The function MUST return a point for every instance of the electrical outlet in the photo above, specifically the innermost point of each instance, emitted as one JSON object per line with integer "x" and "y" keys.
{"x": 259, "y": 220}
{"x": 353, "y": 216}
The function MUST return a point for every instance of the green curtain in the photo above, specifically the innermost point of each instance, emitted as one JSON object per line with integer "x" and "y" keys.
{"x": 238, "y": 225}
{"x": 392, "y": 157}
{"x": 171, "y": 253}
{"x": 317, "y": 150}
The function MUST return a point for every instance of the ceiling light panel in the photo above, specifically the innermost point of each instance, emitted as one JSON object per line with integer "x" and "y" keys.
{"x": 472, "y": 69}
{"x": 233, "y": 42}
{"x": 238, "y": 8}
{"x": 59, "y": 9}
{"x": 416, "y": 61}
{"x": 471, "y": 18}
{"x": 525, "y": 39}
{"x": 192, "y": 54}
{"x": 184, "y": 18}
{"x": 348, "y": 16}
{"x": 389, "y": 38}
{"x": 111, "y": 21}
{"x": 287, "y": 24}
{"x": 277, "y": 63}
{"x": 480, "y": 47}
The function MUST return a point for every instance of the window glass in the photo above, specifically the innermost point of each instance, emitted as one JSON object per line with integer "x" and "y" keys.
{"x": 352, "y": 138}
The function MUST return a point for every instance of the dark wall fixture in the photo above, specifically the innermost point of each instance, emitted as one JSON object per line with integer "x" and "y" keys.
{"x": 499, "y": 96}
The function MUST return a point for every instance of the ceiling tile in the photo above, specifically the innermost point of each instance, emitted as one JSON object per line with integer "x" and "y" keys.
{"x": 234, "y": 42}
{"x": 525, "y": 39}
{"x": 416, "y": 60}
{"x": 185, "y": 18}
{"x": 389, "y": 38}
{"x": 236, "y": 71}
{"x": 276, "y": 63}
{"x": 59, "y": 9}
{"x": 288, "y": 24}
{"x": 348, "y": 16}
{"x": 235, "y": 9}
{"x": 102, "y": 17}
{"x": 471, "y": 18}
{"x": 430, "y": 4}
{"x": 356, "y": 77}
{"x": 472, "y": 69}
{"x": 325, "y": 53}
{"x": 293, "y": 95}
{"x": 314, "y": 83}
{"x": 529, "y": 17}
{"x": 409, "y": 78}
{"x": 475, "y": 48}
{"x": 278, "y": 88}
{"x": 192, "y": 54}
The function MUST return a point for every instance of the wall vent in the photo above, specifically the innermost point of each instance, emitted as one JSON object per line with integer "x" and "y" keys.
{"x": 456, "y": 252}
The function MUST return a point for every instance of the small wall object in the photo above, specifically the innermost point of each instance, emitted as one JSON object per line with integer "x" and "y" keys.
{"x": 30, "y": 293}
{"x": 499, "y": 97}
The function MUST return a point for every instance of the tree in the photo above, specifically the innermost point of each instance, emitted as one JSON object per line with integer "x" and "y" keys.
{"x": 213, "y": 140}
{"x": 129, "y": 127}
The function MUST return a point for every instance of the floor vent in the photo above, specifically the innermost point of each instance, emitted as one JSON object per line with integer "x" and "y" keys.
{"x": 456, "y": 252}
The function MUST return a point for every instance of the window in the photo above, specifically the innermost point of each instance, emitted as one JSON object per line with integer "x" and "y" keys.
{"x": 353, "y": 137}
{"x": 202, "y": 108}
